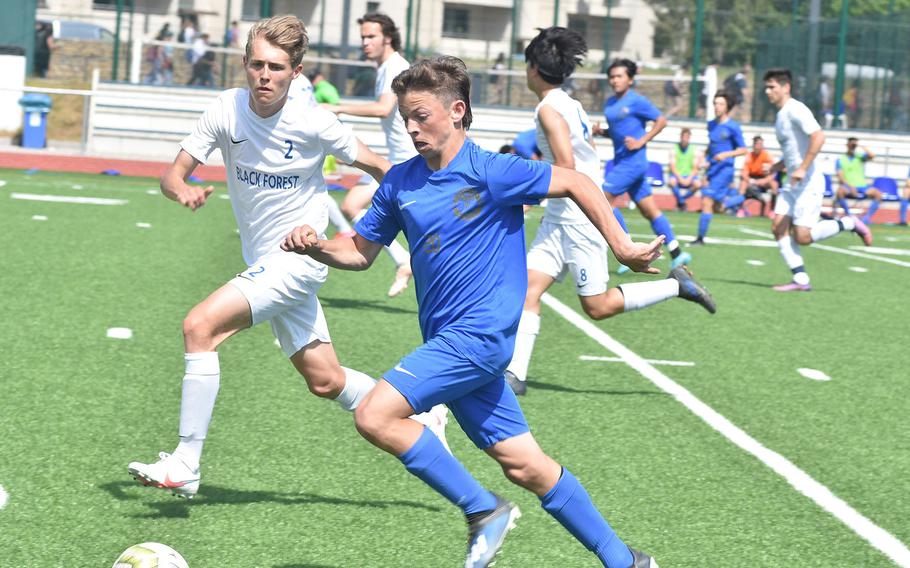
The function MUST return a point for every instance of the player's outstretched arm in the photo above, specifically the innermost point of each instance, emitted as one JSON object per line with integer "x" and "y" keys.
{"x": 370, "y": 162}
{"x": 579, "y": 187}
{"x": 348, "y": 253}
{"x": 380, "y": 108}
{"x": 174, "y": 186}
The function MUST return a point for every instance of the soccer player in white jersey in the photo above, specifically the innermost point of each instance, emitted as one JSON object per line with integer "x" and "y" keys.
{"x": 567, "y": 241}
{"x": 381, "y": 40}
{"x": 273, "y": 149}
{"x": 796, "y": 221}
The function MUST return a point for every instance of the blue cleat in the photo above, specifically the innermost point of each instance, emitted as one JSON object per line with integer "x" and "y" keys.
{"x": 691, "y": 290}
{"x": 683, "y": 258}
{"x": 622, "y": 269}
{"x": 486, "y": 534}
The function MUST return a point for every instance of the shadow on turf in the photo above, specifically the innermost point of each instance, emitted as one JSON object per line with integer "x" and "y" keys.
{"x": 214, "y": 495}
{"x": 763, "y": 285}
{"x": 303, "y": 566}
{"x": 348, "y": 303}
{"x": 537, "y": 385}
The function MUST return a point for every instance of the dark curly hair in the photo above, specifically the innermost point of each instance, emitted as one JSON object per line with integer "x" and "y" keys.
{"x": 556, "y": 52}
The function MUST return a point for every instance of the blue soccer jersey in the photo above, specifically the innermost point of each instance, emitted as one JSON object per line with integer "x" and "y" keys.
{"x": 723, "y": 137}
{"x": 465, "y": 227}
{"x": 627, "y": 116}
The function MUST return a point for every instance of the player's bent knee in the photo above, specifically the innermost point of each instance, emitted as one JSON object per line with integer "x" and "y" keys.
{"x": 197, "y": 329}
{"x": 368, "y": 422}
{"x": 324, "y": 385}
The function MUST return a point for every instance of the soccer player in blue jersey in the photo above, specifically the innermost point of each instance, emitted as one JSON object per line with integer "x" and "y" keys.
{"x": 460, "y": 208}
{"x": 725, "y": 143}
{"x": 627, "y": 113}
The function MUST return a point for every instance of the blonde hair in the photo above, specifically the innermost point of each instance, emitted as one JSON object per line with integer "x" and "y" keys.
{"x": 284, "y": 32}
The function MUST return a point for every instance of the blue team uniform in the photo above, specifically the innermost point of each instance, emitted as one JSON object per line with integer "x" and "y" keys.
{"x": 722, "y": 137}
{"x": 465, "y": 228}
{"x": 627, "y": 116}
{"x": 525, "y": 144}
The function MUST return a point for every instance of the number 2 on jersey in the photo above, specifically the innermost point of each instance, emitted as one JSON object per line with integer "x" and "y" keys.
{"x": 290, "y": 149}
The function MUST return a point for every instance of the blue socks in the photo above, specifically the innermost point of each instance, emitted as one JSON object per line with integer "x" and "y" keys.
{"x": 873, "y": 207}
{"x": 703, "y": 222}
{"x": 570, "y": 504}
{"x": 734, "y": 201}
{"x": 620, "y": 219}
{"x": 429, "y": 460}
{"x": 661, "y": 226}
{"x": 904, "y": 204}
{"x": 843, "y": 203}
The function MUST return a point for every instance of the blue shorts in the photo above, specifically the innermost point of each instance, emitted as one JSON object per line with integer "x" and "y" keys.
{"x": 482, "y": 403}
{"x": 718, "y": 184}
{"x": 631, "y": 179}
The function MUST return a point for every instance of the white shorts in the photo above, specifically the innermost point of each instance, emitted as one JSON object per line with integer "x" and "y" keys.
{"x": 580, "y": 249}
{"x": 281, "y": 288}
{"x": 802, "y": 203}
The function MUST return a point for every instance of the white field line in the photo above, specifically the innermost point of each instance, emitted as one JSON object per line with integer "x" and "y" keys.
{"x": 755, "y": 233}
{"x": 773, "y": 244}
{"x": 882, "y": 250}
{"x": 903, "y": 263}
{"x": 800, "y": 480}
{"x": 66, "y": 199}
{"x": 651, "y": 361}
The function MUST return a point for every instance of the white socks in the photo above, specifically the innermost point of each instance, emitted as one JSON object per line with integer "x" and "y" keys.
{"x": 824, "y": 229}
{"x": 399, "y": 255}
{"x": 200, "y": 388}
{"x": 789, "y": 249}
{"x": 638, "y": 295}
{"x": 528, "y": 328}
{"x": 337, "y": 217}
{"x": 357, "y": 386}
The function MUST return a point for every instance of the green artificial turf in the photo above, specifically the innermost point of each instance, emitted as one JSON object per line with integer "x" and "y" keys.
{"x": 288, "y": 483}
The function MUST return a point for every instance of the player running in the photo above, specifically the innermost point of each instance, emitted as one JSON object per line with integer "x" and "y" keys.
{"x": 627, "y": 113}
{"x": 796, "y": 214}
{"x": 381, "y": 41}
{"x": 725, "y": 143}
{"x": 566, "y": 240}
{"x": 273, "y": 149}
{"x": 460, "y": 208}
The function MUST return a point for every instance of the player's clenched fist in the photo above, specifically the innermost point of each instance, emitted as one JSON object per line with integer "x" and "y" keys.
{"x": 300, "y": 240}
{"x": 193, "y": 196}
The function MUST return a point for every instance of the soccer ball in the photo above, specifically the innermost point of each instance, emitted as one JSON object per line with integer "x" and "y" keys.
{"x": 150, "y": 555}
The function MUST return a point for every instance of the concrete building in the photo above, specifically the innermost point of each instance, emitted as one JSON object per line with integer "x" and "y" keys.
{"x": 471, "y": 29}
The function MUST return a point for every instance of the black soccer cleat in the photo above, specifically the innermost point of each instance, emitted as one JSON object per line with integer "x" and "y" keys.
{"x": 642, "y": 560}
{"x": 518, "y": 386}
{"x": 699, "y": 242}
{"x": 691, "y": 290}
{"x": 487, "y": 533}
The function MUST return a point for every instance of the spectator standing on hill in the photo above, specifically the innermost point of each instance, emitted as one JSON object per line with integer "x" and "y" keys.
{"x": 44, "y": 44}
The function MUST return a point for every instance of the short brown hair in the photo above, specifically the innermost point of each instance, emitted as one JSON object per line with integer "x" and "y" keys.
{"x": 685, "y": 131}
{"x": 445, "y": 77}
{"x": 284, "y": 32}
{"x": 728, "y": 97}
{"x": 389, "y": 29}
{"x": 779, "y": 75}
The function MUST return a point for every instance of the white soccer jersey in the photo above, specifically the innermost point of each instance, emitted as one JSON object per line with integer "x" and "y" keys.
{"x": 401, "y": 147}
{"x": 302, "y": 88}
{"x": 563, "y": 210}
{"x": 793, "y": 126}
{"x": 274, "y": 165}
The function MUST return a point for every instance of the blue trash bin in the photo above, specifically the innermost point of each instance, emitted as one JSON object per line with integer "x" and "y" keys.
{"x": 35, "y": 106}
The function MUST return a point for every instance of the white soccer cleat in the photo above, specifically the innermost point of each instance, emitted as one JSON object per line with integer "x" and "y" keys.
{"x": 402, "y": 277}
{"x": 169, "y": 472}
{"x": 436, "y": 419}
